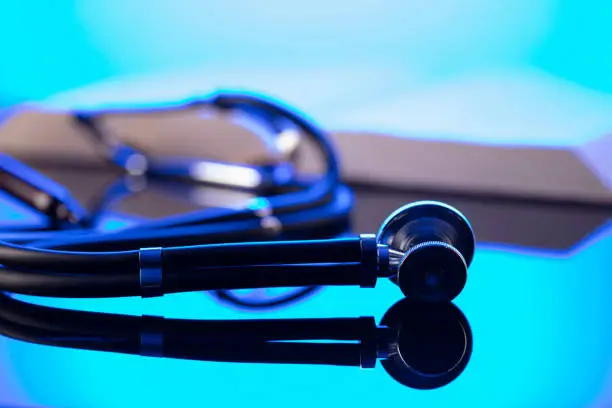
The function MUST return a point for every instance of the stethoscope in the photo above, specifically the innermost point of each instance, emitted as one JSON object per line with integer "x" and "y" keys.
{"x": 285, "y": 238}
{"x": 421, "y": 345}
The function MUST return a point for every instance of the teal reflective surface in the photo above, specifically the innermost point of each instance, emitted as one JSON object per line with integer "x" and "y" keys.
{"x": 541, "y": 332}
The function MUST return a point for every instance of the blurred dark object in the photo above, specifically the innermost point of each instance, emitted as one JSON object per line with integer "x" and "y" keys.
{"x": 559, "y": 159}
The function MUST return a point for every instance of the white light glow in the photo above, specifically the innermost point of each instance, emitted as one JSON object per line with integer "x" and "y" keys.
{"x": 227, "y": 174}
{"x": 287, "y": 141}
{"x": 218, "y": 197}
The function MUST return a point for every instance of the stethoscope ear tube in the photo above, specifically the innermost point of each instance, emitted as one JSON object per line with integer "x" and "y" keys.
{"x": 329, "y": 219}
{"x": 275, "y": 117}
{"x": 41, "y": 194}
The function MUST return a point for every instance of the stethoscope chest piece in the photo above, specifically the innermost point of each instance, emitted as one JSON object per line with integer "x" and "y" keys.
{"x": 431, "y": 246}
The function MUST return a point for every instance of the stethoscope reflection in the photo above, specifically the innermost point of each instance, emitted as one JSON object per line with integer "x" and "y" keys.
{"x": 422, "y": 346}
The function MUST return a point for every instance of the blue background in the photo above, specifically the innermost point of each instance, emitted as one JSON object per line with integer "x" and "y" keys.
{"x": 542, "y": 331}
{"x": 50, "y": 46}
{"x": 505, "y": 72}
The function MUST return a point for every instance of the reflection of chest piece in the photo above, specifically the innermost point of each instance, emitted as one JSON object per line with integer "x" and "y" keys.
{"x": 421, "y": 345}
{"x": 431, "y": 343}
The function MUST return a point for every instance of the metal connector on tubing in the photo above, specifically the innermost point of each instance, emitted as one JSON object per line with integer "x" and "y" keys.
{"x": 151, "y": 272}
{"x": 384, "y": 262}
{"x": 369, "y": 260}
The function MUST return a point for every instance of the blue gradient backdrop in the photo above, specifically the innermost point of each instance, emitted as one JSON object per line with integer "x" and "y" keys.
{"x": 50, "y": 46}
{"x": 542, "y": 331}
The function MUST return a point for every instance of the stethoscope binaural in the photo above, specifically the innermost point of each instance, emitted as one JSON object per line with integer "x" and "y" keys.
{"x": 272, "y": 241}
